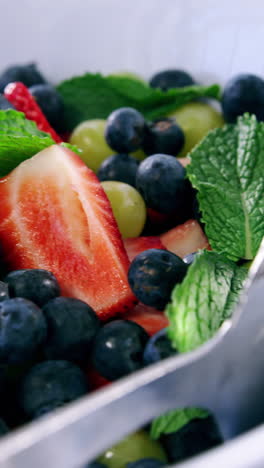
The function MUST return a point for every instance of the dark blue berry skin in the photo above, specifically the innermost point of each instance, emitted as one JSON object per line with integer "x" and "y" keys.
{"x": 5, "y": 104}
{"x": 118, "y": 349}
{"x": 23, "y": 330}
{"x": 121, "y": 167}
{"x": 50, "y": 385}
{"x": 163, "y": 136}
{"x": 4, "y": 294}
{"x": 95, "y": 465}
{"x": 38, "y": 286}
{"x": 72, "y": 325}
{"x": 243, "y": 93}
{"x": 168, "y": 79}
{"x": 50, "y": 102}
{"x": 158, "y": 347}
{"x": 189, "y": 259}
{"x": 153, "y": 274}
{"x": 146, "y": 463}
{"x": 161, "y": 181}
{"x": 3, "y": 428}
{"x": 27, "y": 74}
{"x": 124, "y": 130}
{"x": 193, "y": 438}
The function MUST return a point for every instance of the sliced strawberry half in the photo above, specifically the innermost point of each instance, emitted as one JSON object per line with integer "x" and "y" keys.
{"x": 185, "y": 239}
{"x": 152, "y": 320}
{"x": 55, "y": 215}
{"x": 136, "y": 245}
{"x": 18, "y": 95}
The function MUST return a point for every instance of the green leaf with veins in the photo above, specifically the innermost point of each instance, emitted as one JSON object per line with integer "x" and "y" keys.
{"x": 199, "y": 305}
{"x": 227, "y": 169}
{"x": 93, "y": 96}
{"x": 20, "y": 139}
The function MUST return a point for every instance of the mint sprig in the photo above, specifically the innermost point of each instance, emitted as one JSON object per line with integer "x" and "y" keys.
{"x": 20, "y": 139}
{"x": 199, "y": 305}
{"x": 93, "y": 96}
{"x": 227, "y": 169}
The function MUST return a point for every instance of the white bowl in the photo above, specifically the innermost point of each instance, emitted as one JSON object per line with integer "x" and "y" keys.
{"x": 212, "y": 39}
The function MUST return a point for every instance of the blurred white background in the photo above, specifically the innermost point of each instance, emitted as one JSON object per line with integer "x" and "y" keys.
{"x": 214, "y": 39}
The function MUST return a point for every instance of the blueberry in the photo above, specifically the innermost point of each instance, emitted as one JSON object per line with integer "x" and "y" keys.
{"x": 72, "y": 325}
{"x": 124, "y": 130}
{"x": 168, "y": 79}
{"x": 163, "y": 136}
{"x": 193, "y": 438}
{"x": 38, "y": 286}
{"x": 120, "y": 167}
{"x": 50, "y": 385}
{"x": 4, "y": 294}
{"x": 4, "y": 103}
{"x": 189, "y": 259}
{"x": 118, "y": 349}
{"x": 50, "y": 102}
{"x": 23, "y": 329}
{"x": 243, "y": 93}
{"x": 27, "y": 74}
{"x": 158, "y": 347}
{"x": 161, "y": 181}
{"x": 146, "y": 463}
{"x": 95, "y": 465}
{"x": 153, "y": 274}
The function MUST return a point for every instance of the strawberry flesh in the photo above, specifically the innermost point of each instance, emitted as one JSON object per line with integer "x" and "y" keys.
{"x": 185, "y": 239}
{"x": 55, "y": 215}
{"x": 136, "y": 245}
{"x": 151, "y": 319}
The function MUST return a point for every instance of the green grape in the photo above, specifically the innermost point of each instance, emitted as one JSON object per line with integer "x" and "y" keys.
{"x": 89, "y": 137}
{"x": 128, "y": 207}
{"x": 128, "y": 74}
{"x": 139, "y": 154}
{"x": 196, "y": 119}
{"x": 132, "y": 448}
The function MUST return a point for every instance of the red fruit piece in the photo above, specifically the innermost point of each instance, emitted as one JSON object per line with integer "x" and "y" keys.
{"x": 96, "y": 380}
{"x": 157, "y": 218}
{"x": 185, "y": 239}
{"x": 136, "y": 245}
{"x": 18, "y": 95}
{"x": 152, "y": 320}
{"x": 55, "y": 215}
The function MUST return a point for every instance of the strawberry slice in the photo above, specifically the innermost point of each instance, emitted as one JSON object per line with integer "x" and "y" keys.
{"x": 95, "y": 379}
{"x": 18, "y": 95}
{"x": 152, "y": 320}
{"x": 136, "y": 245}
{"x": 55, "y": 215}
{"x": 185, "y": 239}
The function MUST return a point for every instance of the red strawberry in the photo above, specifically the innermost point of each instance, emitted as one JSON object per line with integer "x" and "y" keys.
{"x": 157, "y": 218}
{"x": 152, "y": 320}
{"x": 136, "y": 245}
{"x": 18, "y": 95}
{"x": 55, "y": 215}
{"x": 185, "y": 239}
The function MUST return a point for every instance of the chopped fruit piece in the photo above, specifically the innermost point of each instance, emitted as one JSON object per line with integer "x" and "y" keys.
{"x": 152, "y": 320}
{"x": 136, "y": 245}
{"x": 184, "y": 161}
{"x": 55, "y": 216}
{"x": 155, "y": 217}
{"x": 124, "y": 131}
{"x": 96, "y": 380}
{"x": 185, "y": 239}
{"x": 19, "y": 96}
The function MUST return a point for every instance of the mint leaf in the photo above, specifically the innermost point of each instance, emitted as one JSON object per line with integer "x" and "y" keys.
{"x": 73, "y": 148}
{"x": 227, "y": 169}
{"x": 174, "y": 420}
{"x": 94, "y": 96}
{"x": 204, "y": 299}
{"x": 199, "y": 305}
{"x": 20, "y": 139}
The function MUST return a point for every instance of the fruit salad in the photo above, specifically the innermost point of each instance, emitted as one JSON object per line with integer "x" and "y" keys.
{"x": 130, "y": 213}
